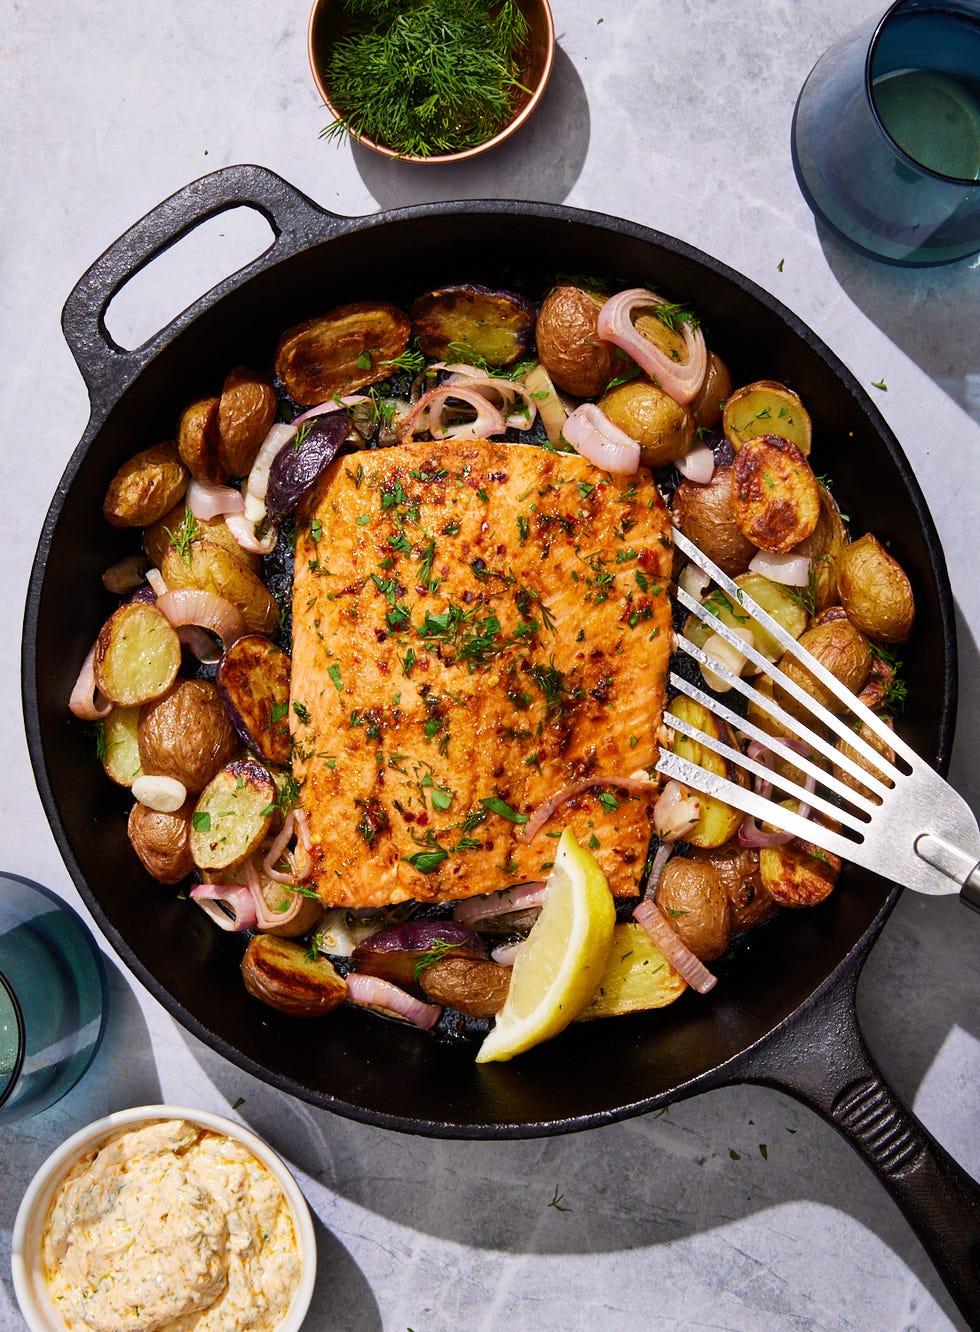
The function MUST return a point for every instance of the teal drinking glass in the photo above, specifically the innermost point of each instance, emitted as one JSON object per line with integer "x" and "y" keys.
{"x": 52, "y": 998}
{"x": 886, "y": 134}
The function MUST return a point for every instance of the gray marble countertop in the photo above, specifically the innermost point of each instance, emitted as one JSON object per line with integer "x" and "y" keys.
{"x": 676, "y": 115}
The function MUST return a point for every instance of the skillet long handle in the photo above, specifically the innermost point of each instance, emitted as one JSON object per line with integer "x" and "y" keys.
{"x": 295, "y": 219}
{"x": 820, "y": 1058}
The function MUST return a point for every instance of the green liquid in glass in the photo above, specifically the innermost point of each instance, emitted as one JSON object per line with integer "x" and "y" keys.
{"x": 933, "y": 118}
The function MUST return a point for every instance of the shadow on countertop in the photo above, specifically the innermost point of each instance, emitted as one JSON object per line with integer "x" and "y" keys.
{"x": 542, "y": 161}
{"x": 930, "y": 313}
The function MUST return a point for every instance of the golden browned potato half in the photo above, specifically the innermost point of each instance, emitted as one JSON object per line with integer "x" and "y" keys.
{"x": 706, "y": 406}
{"x": 472, "y": 985}
{"x": 874, "y": 591}
{"x": 211, "y": 568}
{"x": 663, "y": 428}
{"x": 186, "y": 734}
{"x": 839, "y": 647}
{"x": 233, "y": 815}
{"x": 137, "y": 654}
{"x": 284, "y": 976}
{"x": 775, "y": 498}
{"x": 569, "y": 346}
{"x": 120, "y": 745}
{"x": 766, "y": 408}
{"x": 717, "y": 822}
{"x": 637, "y": 976}
{"x": 797, "y": 874}
{"x": 146, "y": 487}
{"x": 705, "y": 515}
{"x": 691, "y": 896}
{"x": 162, "y": 841}
{"x": 159, "y": 538}
{"x": 198, "y": 441}
{"x": 341, "y": 351}
{"x": 246, "y": 411}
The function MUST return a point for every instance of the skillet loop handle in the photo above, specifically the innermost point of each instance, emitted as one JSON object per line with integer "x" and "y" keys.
{"x": 820, "y": 1058}
{"x": 296, "y": 222}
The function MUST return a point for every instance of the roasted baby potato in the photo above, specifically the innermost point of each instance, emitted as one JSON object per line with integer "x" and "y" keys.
{"x": 766, "y": 408}
{"x": 284, "y": 976}
{"x": 874, "y": 591}
{"x": 186, "y": 735}
{"x": 211, "y": 568}
{"x": 823, "y": 547}
{"x": 569, "y": 345}
{"x": 253, "y": 680}
{"x": 717, "y": 821}
{"x": 775, "y": 499}
{"x": 880, "y": 746}
{"x": 706, "y": 406}
{"x": 246, "y": 411}
{"x": 475, "y": 986}
{"x": 181, "y": 523}
{"x": 797, "y": 874}
{"x": 341, "y": 351}
{"x": 162, "y": 841}
{"x": 146, "y": 487}
{"x": 466, "y": 318}
{"x": 233, "y": 815}
{"x": 839, "y": 647}
{"x": 705, "y": 515}
{"x": 637, "y": 976}
{"x": 662, "y": 427}
{"x": 120, "y": 745}
{"x": 691, "y": 896}
{"x": 198, "y": 441}
{"x": 737, "y": 868}
{"x": 137, "y": 654}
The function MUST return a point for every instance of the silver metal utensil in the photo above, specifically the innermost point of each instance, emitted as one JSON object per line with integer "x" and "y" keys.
{"x": 905, "y": 823}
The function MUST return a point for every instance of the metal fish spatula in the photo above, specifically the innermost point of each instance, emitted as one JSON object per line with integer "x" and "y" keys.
{"x": 905, "y": 823}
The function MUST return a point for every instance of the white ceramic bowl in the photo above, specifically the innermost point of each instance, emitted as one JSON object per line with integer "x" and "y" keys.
{"x": 28, "y": 1270}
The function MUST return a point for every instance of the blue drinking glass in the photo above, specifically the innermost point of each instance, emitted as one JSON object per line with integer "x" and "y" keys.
{"x": 886, "y": 134}
{"x": 52, "y": 998}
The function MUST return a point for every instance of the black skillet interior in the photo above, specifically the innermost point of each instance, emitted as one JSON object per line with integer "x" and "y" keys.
{"x": 352, "y": 1062}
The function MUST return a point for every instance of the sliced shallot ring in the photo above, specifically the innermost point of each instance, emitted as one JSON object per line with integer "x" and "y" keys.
{"x": 86, "y": 702}
{"x": 664, "y": 852}
{"x": 681, "y": 379}
{"x": 206, "y": 609}
{"x": 489, "y": 420}
{"x": 236, "y": 897}
{"x": 675, "y": 950}
{"x": 244, "y": 533}
{"x": 258, "y": 478}
{"x": 591, "y": 433}
{"x": 471, "y": 910}
{"x": 789, "y": 569}
{"x": 518, "y": 418}
{"x": 207, "y": 501}
{"x": 547, "y": 808}
{"x": 372, "y": 992}
{"x": 264, "y": 918}
{"x": 676, "y": 812}
{"x": 333, "y": 405}
{"x": 750, "y": 831}
{"x": 698, "y": 465}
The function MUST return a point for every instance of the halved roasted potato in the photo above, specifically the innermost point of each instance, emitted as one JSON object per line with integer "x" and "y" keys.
{"x": 705, "y": 514}
{"x": 797, "y": 874}
{"x": 246, "y": 410}
{"x": 120, "y": 745}
{"x": 186, "y": 734}
{"x": 775, "y": 499}
{"x": 717, "y": 822}
{"x": 162, "y": 841}
{"x": 137, "y": 654}
{"x": 341, "y": 351}
{"x": 663, "y": 427}
{"x": 875, "y": 591}
{"x": 253, "y": 679}
{"x": 146, "y": 487}
{"x": 181, "y": 525}
{"x": 569, "y": 346}
{"x": 286, "y": 977}
{"x": 211, "y": 568}
{"x": 460, "y": 321}
{"x": 779, "y": 602}
{"x": 233, "y": 815}
{"x": 637, "y": 976}
{"x": 198, "y": 441}
{"x": 766, "y": 408}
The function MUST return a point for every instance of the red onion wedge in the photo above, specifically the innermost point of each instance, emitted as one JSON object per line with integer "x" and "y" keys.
{"x": 663, "y": 853}
{"x": 591, "y": 433}
{"x": 267, "y": 918}
{"x": 698, "y": 465}
{"x": 186, "y": 606}
{"x": 500, "y": 391}
{"x": 750, "y": 832}
{"x": 298, "y": 858}
{"x": 427, "y": 414}
{"x": 792, "y": 570}
{"x": 244, "y": 533}
{"x": 674, "y": 949}
{"x": 207, "y": 501}
{"x": 230, "y": 906}
{"x": 86, "y": 702}
{"x": 472, "y": 910}
{"x": 681, "y": 379}
{"x": 383, "y": 997}
{"x": 332, "y": 405}
{"x": 676, "y": 812}
{"x": 544, "y": 811}
{"x": 258, "y": 478}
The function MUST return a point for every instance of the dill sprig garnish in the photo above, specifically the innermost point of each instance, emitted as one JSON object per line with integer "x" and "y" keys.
{"x": 426, "y": 77}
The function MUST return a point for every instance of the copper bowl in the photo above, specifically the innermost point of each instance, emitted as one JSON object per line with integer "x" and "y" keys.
{"x": 329, "y": 22}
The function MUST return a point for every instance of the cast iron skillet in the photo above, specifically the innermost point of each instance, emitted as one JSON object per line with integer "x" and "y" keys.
{"x": 784, "y": 1013}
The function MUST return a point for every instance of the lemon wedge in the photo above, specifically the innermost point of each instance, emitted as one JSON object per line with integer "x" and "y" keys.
{"x": 558, "y": 970}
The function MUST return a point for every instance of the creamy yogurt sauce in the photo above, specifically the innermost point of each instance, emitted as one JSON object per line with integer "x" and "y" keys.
{"x": 172, "y": 1227}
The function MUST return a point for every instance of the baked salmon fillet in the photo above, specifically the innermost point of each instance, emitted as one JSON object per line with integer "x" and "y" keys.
{"x": 477, "y": 626}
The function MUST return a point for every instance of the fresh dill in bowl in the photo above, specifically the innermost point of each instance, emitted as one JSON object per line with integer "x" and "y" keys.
{"x": 425, "y": 78}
